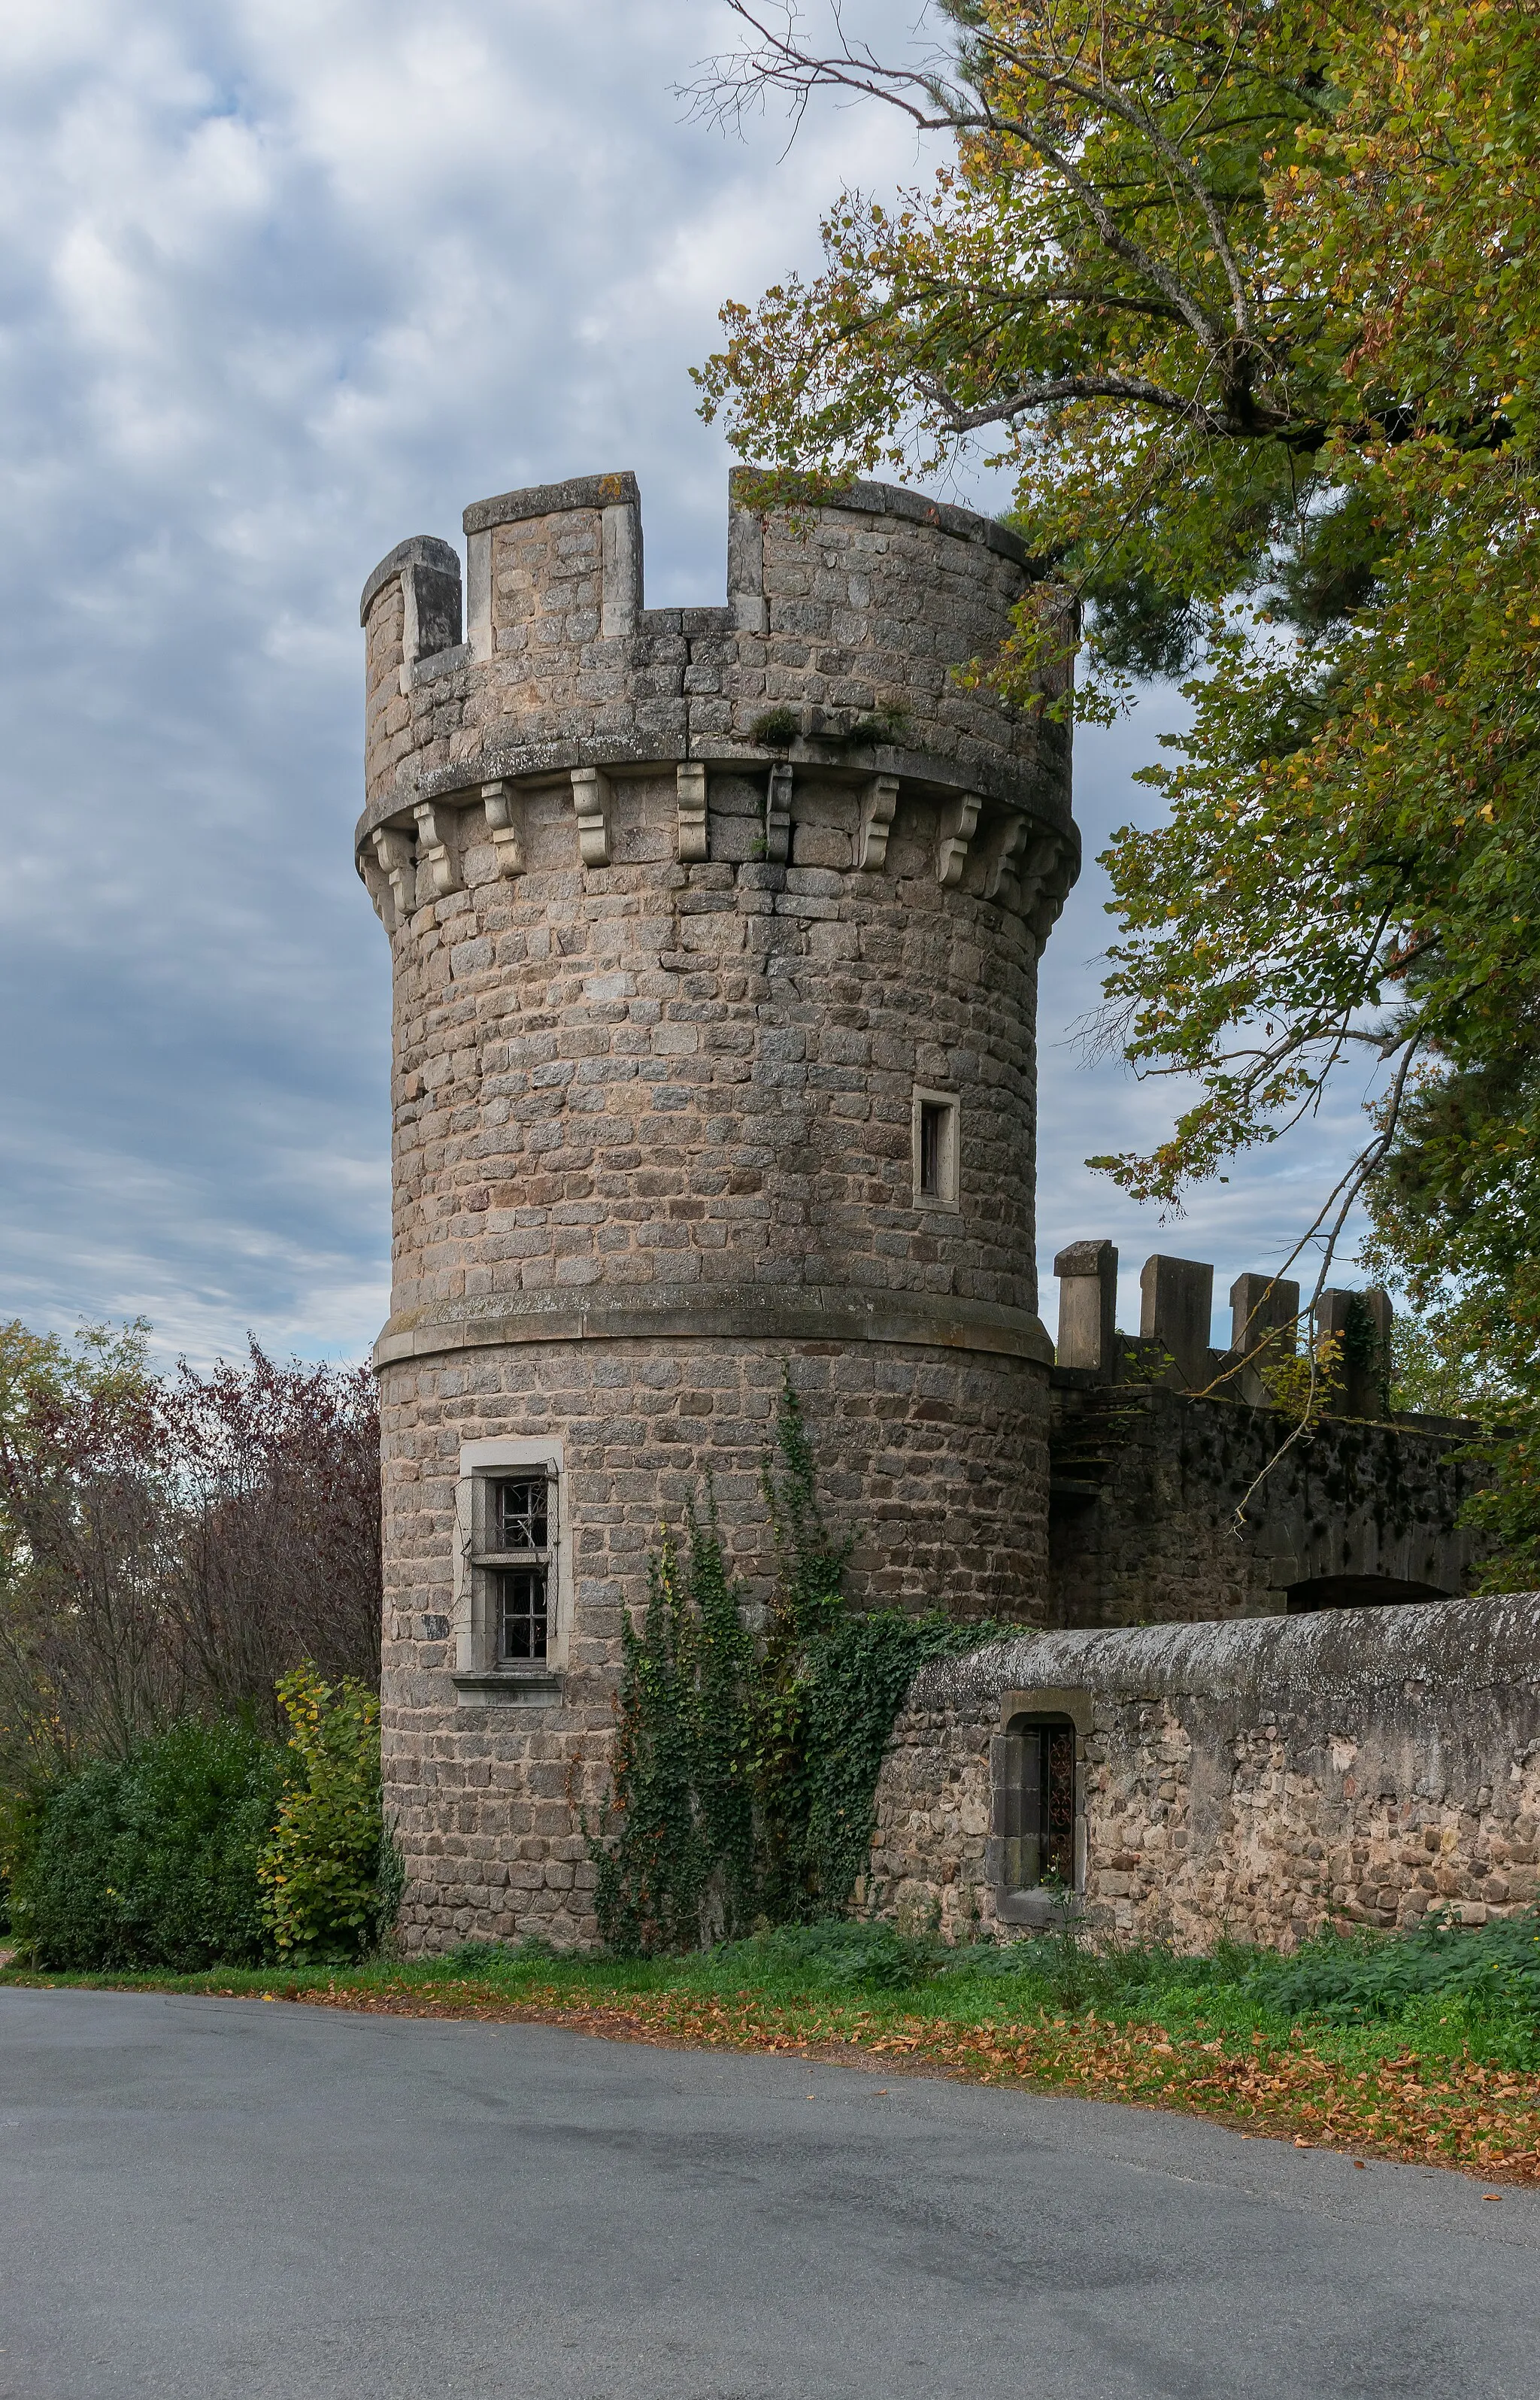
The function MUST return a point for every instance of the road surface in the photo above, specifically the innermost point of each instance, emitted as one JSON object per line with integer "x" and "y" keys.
{"x": 250, "y": 2201}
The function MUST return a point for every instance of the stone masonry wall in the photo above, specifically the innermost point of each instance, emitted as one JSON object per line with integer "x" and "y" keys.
{"x": 667, "y": 1003}
{"x": 835, "y": 612}
{"x": 703, "y": 1075}
{"x": 1252, "y": 1780}
{"x": 1146, "y": 1482}
{"x": 930, "y": 1459}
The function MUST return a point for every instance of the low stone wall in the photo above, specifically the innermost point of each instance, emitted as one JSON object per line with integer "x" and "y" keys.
{"x": 1254, "y": 1779}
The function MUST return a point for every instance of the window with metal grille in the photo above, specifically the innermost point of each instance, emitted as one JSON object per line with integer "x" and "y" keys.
{"x": 514, "y": 1561}
{"x": 1036, "y": 1803}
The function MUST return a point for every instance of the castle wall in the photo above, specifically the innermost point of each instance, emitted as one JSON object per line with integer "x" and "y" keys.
{"x": 1146, "y": 1482}
{"x": 1254, "y": 1780}
{"x": 668, "y": 996}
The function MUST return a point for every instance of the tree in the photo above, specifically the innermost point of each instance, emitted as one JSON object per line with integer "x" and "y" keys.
{"x": 169, "y": 1545}
{"x": 1247, "y": 297}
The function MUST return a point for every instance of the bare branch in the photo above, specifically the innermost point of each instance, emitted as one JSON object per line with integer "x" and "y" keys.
{"x": 1063, "y": 388}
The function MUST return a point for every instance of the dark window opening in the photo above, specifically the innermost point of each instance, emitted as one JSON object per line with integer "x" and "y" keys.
{"x": 521, "y": 1617}
{"x": 519, "y": 1519}
{"x": 1037, "y": 1804}
{"x": 932, "y": 1135}
{"x": 513, "y": 1559}
{"x": 1355, "y": 1591}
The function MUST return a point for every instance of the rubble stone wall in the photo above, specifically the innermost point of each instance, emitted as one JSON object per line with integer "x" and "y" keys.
{"x": 1256, "y": 1780}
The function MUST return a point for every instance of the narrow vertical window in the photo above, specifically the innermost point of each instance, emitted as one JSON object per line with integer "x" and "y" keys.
{"x": 935, "y": 1149}
{"x": 1036, "y": 1805}
{"x": 930, "y": 1123}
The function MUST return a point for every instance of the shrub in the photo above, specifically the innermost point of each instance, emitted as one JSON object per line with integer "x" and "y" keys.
{"x": 149, "y": 1861}
{"x": 324, "y": 1892}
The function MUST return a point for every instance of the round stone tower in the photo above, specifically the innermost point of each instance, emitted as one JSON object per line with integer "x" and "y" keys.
{"x": 714, "y": 936}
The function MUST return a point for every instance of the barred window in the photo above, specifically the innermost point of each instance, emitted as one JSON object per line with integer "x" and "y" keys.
{"x": 1036, "y": 1803}
{"x": 513, "y": 1558}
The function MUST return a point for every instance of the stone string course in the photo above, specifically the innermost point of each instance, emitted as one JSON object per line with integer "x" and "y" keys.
{"x": 1251, "y": 1780}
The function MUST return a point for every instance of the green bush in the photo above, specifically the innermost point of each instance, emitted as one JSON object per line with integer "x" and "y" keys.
{"x": 149, "y": 1861}
{"x": 326, "y": 1874}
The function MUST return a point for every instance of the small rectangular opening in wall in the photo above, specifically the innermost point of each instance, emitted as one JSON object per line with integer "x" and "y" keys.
{"x": 935, "y": 1149}
{"x": 1036, "y": 1805}
{"x": 522, "y": 1622}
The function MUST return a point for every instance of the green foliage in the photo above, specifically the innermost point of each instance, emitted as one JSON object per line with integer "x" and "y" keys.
{"x": 1488, "y": 1976}
{"x": 744, "y": 1772}
{"x": 681, "y": 1860}
{"x": 321, "y": 1871}
{"x": 1348, "y": 1979}
{"x": 1247, "y": 300}
{"x": 150, "y": 1859}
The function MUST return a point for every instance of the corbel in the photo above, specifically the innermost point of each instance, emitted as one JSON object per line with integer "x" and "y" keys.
{"x": 398, "y": 866}
{"x": 498, "y": 803}
{"x": 693, "y": 842}
{"x": 1050, "y": 890}
{"x": 591, "y": 798}
{"x": 1007, "y": 853}
{"x": 878, "y": 804}
{"x": 958, "y": 824}
{"x": 777, "y": 814}
{"x": 436, "y": 829}
{"x": 378, "y": 887}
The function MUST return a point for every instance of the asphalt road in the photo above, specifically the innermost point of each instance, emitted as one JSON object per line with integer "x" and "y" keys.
{"x": 274, "y": 2203}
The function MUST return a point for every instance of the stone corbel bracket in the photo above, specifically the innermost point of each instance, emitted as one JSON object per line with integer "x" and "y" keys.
{"x": 777, "y": 814}
{"x": 878, "y": 804}
{"x": 438, "y": 830}
{"x": 1044, "y": 878}
{"x": 1008, "y": 847}
{"x": 959, "y": 824}
{"x": 398, "y": 864}
{"x": 591, "y": 794}
{"x": 693, "y": 838}
{"x": 497, "y": 801}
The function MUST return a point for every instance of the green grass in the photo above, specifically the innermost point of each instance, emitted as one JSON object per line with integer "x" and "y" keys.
{"x": 1444, "y": 1992}
{"x": 1423, "y": 2046}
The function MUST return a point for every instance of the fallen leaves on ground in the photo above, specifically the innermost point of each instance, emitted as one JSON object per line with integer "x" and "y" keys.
{"x": 1446, "y": 2112}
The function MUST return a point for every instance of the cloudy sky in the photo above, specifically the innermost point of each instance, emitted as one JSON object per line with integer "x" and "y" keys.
{"x": 281, "y": 281}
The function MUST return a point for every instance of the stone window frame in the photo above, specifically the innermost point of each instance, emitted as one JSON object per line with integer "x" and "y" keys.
{"x": 1035, "y": 1908}
{"x": 478, "y": 1677}
{"x": 948, "y": 1196}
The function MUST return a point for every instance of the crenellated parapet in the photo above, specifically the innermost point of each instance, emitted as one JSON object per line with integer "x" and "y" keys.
{"x": 827, "y": 681}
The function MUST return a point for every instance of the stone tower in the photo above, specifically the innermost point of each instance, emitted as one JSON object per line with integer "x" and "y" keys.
{"x": 714, "y": 936}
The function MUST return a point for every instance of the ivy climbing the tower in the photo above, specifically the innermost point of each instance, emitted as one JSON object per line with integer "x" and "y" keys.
{"x": 745, "y": 1768}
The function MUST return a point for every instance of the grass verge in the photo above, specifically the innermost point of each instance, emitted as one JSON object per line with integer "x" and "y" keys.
{"x": 1425, "y": 2048}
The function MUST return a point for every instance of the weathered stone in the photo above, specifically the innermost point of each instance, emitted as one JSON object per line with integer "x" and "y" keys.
{"x": 662, "y": 998}
{"x": 1293, "y": 1740}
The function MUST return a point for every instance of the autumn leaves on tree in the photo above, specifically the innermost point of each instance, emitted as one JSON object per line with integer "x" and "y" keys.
{"x": 1246, "y": 299}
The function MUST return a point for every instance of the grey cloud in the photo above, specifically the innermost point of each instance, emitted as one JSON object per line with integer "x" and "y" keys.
{"x": 279, "y": 285}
